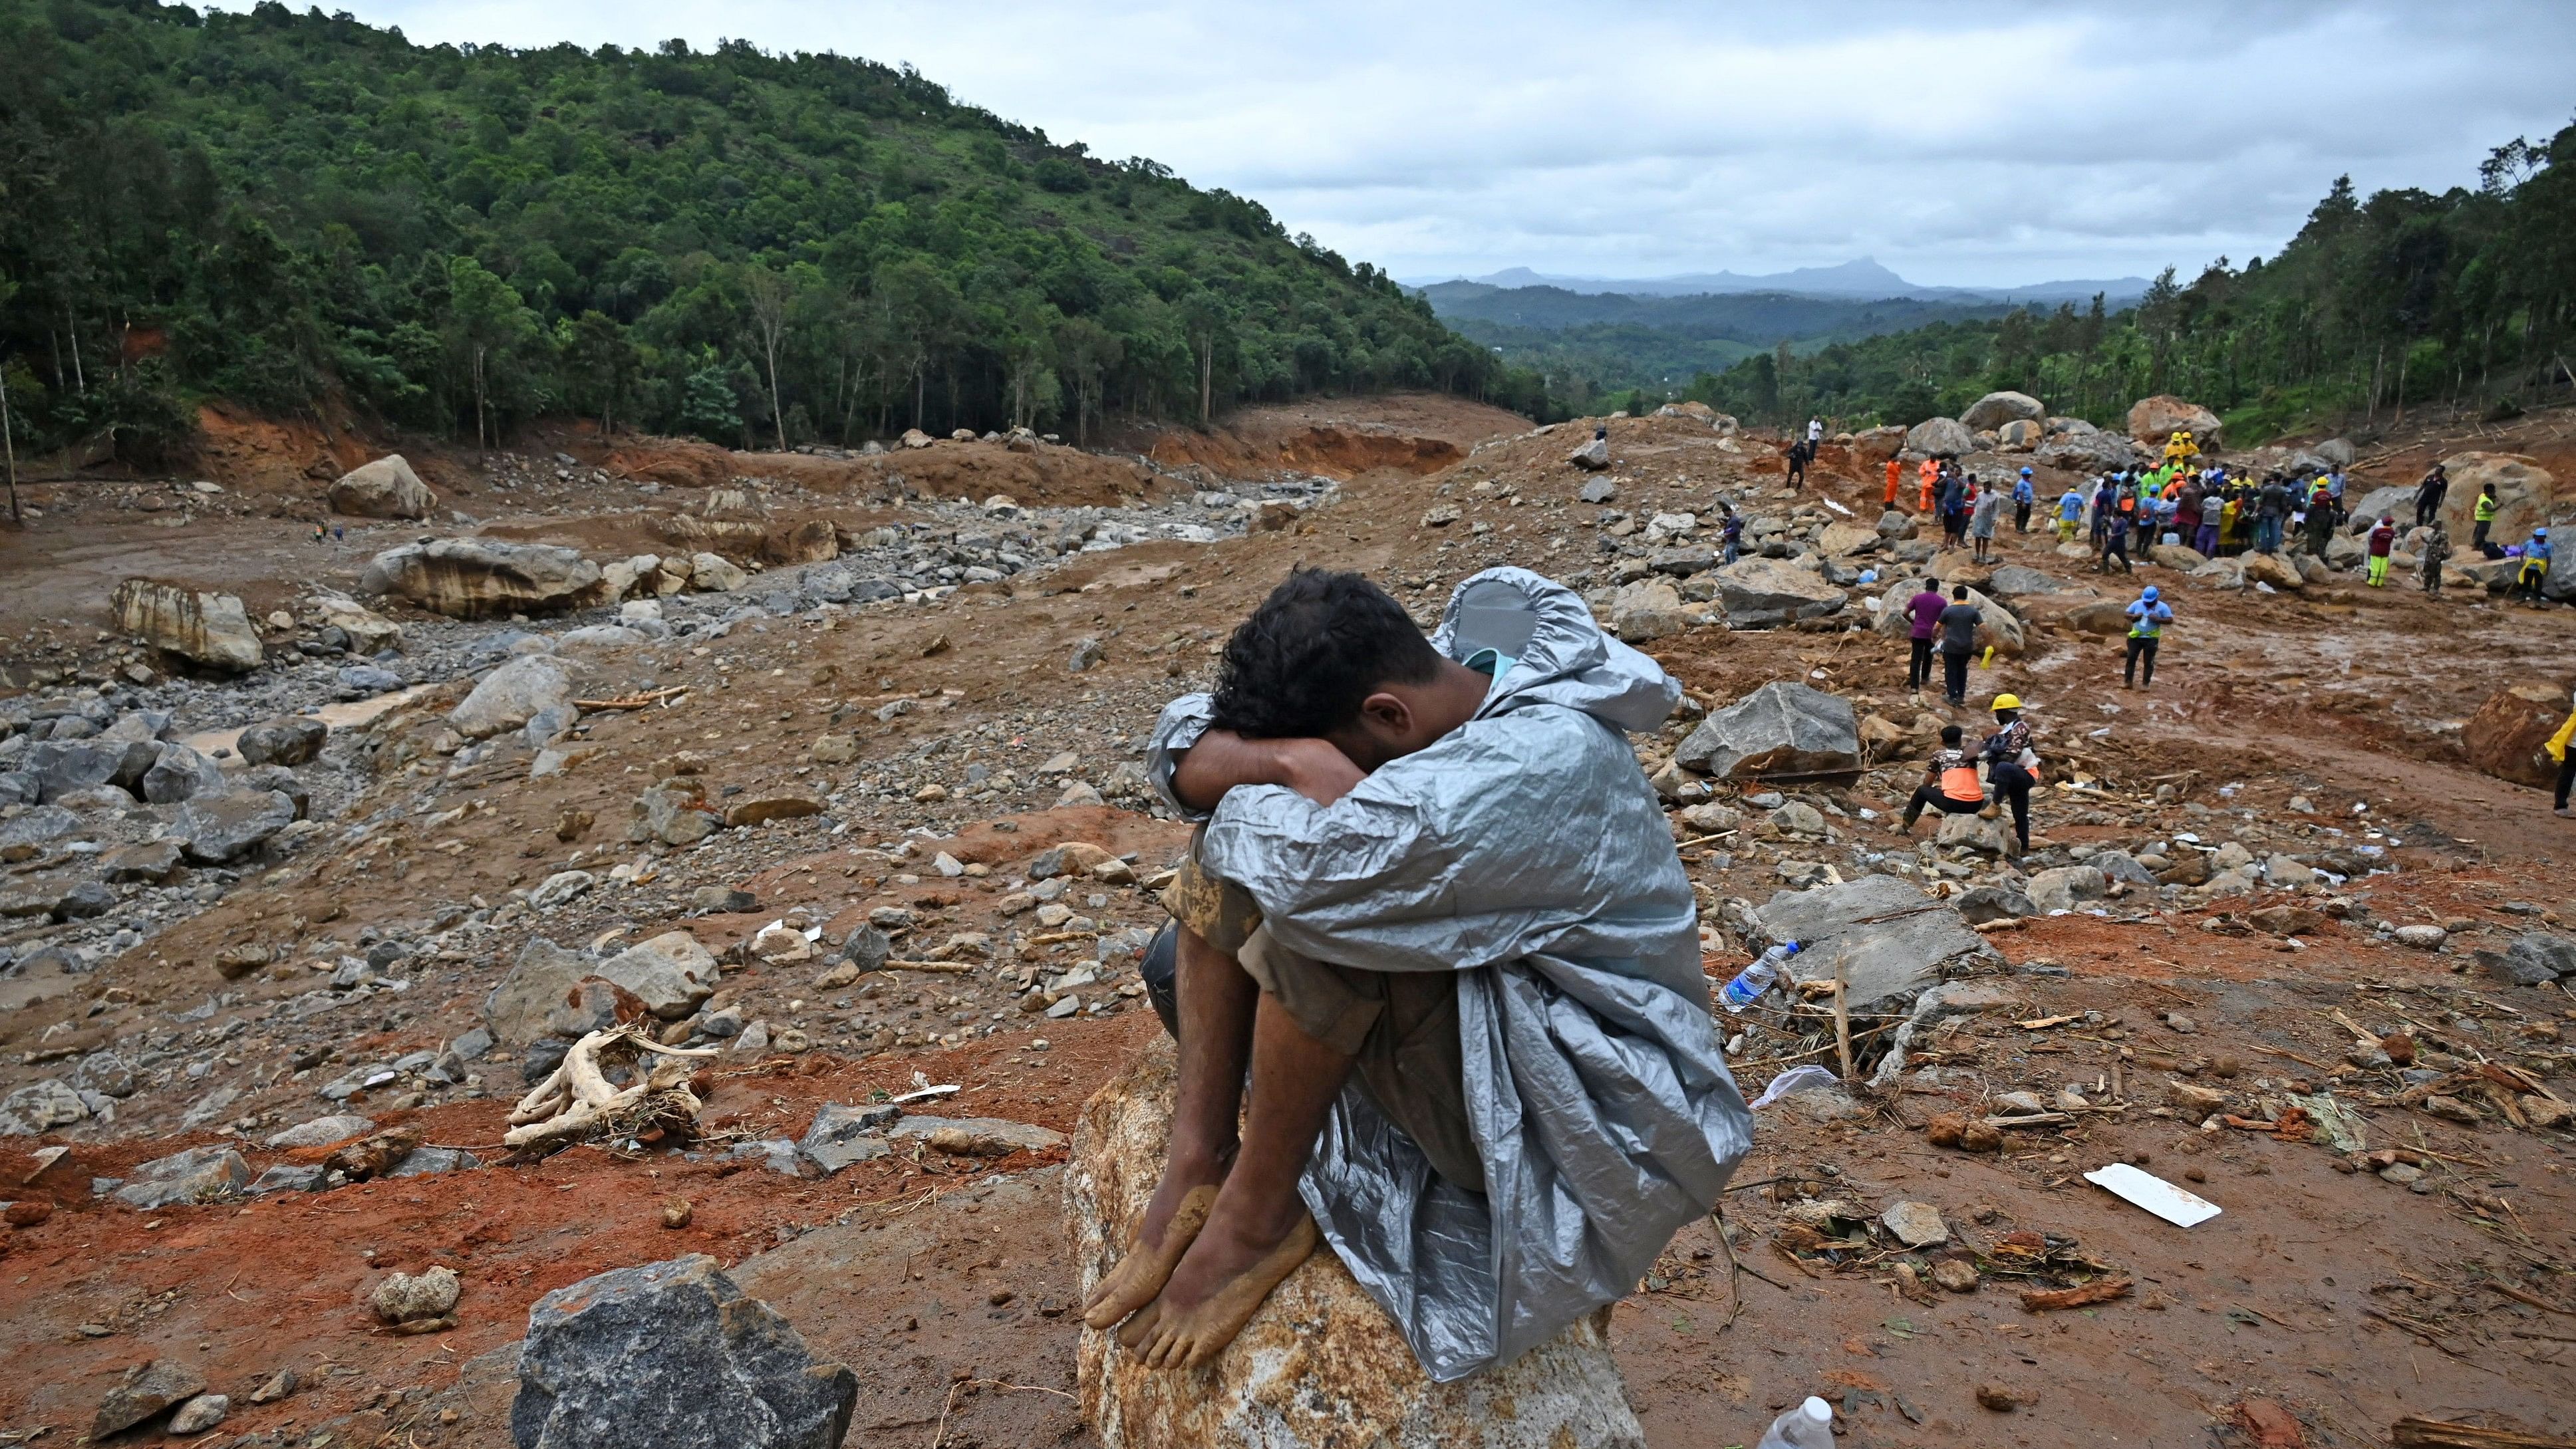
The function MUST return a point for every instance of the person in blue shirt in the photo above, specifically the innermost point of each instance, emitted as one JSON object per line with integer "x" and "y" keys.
{"x": 2534, "y": 571}
{"x": 1734, "y": 532}
{"x": 2070, "y": 514}
{"x": 2106, "y": 501}
{"x": 2024, "y": 495}
{"x": 2148, "y": 617}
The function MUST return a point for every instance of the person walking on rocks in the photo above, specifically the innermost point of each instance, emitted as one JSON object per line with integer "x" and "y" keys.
{"x": 1959, "y": 624}
{"x": 2430, "y": 492}
{"x": 1732, "y": 532}
{"x": 1799, "y": 453}
{"x": 2566, "y": 758}
{"x": 1954, "y": 509}
{"x": 1346, "y": 772}
{"x": 1815, "y": 435}
{"x": 1950, "y": 783}
{"x": 2070, "y": 514}
{"x": 2383, "y": 542}
{"x": 2435, "y": 548}
{"x": 1981, "y": 522}
{"x": 2115, "y": 543}
{"x": 2012, "y": 766}
{"x": 2024, "y": 495}
{"x": 2148, "y": 616}
{"x": 1923, "y": 613}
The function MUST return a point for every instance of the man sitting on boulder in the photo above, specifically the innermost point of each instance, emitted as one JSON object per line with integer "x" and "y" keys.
{"x": 1436, "y": 912}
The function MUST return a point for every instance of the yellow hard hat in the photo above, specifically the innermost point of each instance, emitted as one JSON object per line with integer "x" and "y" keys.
{"x": 2006, "y": 701}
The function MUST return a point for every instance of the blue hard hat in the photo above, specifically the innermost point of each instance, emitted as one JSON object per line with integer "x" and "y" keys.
{"x": 2025, "y": 472}
{"x": 2151, "y": 593}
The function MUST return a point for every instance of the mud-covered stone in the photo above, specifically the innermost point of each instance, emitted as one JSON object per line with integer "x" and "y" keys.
{"x": 199, "y": 1174}
{"x": 672, "y": 1354}
{"x": 1321, "y": 1363}
{"x": 287, "y": 740}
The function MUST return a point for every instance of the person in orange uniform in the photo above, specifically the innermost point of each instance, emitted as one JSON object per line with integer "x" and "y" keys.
{"x": 1895, "y": 472}
{"x": 1931, "y": 475}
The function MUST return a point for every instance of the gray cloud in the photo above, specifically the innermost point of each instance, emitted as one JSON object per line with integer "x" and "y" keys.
{"x": 1957, "y": 143}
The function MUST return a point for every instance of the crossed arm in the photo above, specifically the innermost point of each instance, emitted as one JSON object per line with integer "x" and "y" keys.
{"x": 1223, "y": 759}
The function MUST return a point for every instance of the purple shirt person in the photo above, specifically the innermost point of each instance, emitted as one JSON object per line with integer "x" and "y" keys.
{"x": 1924, "y": 609}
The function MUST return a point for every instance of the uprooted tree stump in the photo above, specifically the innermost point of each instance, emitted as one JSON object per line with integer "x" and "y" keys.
{"x": 1321, "y": 1364}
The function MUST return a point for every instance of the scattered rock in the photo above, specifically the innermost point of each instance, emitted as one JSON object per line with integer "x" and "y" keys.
{"x": 217, "y": 829}
{"x": 1767, "y": 593}
{"x": 771, "y": 807}
{"x": 1940, "y": 438}
{"x": 672, "y": 1353}
{"x": 513, "y": 694}
{"x": 475, "y": 578}
{"x": 146, "y": 1390}
{"x": 1782, "y": 731}
{"x": 321, "y": 1132}
{"x": 196, "y": 1175}
{"x": 385, "y": 488}
{"x": 2154, "y": 419}
{"x": 1916, "y": 1224}
{"x": 1891, "y": 941}
{"x": 2504, "y": 737}
{"x": 409, "y": 1298}
{"x": 199, "y": 1414}
{"x": 1995, "y": 409}
{"x": 209, "y": 629}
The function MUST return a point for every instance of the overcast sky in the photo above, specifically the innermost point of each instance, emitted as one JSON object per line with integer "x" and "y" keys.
{"x": 1974, "y": 144}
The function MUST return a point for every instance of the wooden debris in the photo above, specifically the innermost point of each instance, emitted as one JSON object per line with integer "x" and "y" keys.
{"x": 631, "y": 701}
{"x": 2040, "y": 1300}
{"x": 2417, "y": 1433}
{"x": 578, "y": 1100}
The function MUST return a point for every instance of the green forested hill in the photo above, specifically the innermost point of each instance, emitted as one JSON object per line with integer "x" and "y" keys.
{"x": 293, "y": 211}
{"x": 2406, "y": 296}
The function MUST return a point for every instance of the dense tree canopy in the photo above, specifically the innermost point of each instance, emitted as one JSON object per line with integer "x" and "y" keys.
{"x": 2469, "y": 296}
{"x": 296, "y": 211}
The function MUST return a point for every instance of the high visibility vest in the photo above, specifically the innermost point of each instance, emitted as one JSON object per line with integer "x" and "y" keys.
{"x": 2486, "y": 508}
{"x": 1960, "y": 782}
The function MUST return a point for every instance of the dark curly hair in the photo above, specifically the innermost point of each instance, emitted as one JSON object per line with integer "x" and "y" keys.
{"x": 1316, "y": 648}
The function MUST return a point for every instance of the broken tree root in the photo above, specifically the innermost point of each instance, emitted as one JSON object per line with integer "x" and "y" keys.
{"x": 578, "y": 1101}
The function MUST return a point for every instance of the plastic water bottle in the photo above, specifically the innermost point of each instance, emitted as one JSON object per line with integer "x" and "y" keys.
{"x": 1753, "y": 980}
{"x": 1808, "y": 1426}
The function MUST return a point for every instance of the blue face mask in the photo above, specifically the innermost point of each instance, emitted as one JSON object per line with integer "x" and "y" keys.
{"x": 1492, "y": 663}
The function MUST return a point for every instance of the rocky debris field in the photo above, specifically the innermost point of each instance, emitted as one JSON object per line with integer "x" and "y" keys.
{"x": 822, "y": 882}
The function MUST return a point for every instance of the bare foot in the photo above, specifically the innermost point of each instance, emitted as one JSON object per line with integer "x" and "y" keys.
{"x": 1149, "y": 1261}
{"x": 1223, "y": 1281}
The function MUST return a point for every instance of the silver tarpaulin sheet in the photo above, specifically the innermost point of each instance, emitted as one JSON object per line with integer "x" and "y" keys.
{"x": 1526, "y": 852}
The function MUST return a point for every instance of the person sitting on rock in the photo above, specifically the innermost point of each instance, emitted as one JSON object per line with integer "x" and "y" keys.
{"x": 1950, "y": 784}
{"x": 1435, "y": 915}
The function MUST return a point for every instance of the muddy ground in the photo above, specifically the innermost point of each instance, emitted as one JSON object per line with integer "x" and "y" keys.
{"x": 2321, "y": 1305}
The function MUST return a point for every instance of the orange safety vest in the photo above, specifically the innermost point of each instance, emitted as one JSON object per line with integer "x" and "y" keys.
{"x": 1895, "y": 470}
{"x": 1960, "y": 782}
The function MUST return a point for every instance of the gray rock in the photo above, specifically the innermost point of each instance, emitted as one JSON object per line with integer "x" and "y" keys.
{"x": 1765, "y": 593}
{"x": 844, "y": 1135}
{"x": 210, "y": 629}
{"x": 281, "y": 780}
{"x": 472, "y": 1046}
{"x": 201, "y": 1413}
{"x": 867, "y": 948}
{"x": 38, "y": 895}
{"x": 322, "y": 1132}
{"x": 385, "y": 488}
{"x": 18, "y": 788}
{"x": 289, "y": 1177}
{"x": 41, "y": 824}
{"x": 1915, "y": 1224}
{"x": 2119, "y": 865}
{"x": 1940, "y": 438}
{"x": 1976, "y": 833}
{"x": 672, "y": 1354}
{"x": 106, "y": 1073}
{"x": 671, "y": 974}
{"x": 1891, "y": 940}
{"x": 1782, "y": 731}
{"x": 1598, "y": 490}
{"x": 2533, "y": 959}
{"x": 511, "y": 695}
{"x": 474, "y": 578}
{"x": 196, "y": 1175}
{"x": 181, "y": 774}
{"x": 2067, "y": 887}
{"x": 63, "y": 769}
{"x": 1980, "y": 904}
{"x": 146, "y": 1390}
{"x": 214, "y": 829}
{"x": 291, "y": 739}
{"x": 1594, "y": 454}
{"x": 2015, "y": 580}
{"x": 369, "y": 679}
{"x": 1998, "y": 408}
{"x": 560, "y": 888}
{"x": 422, "y": 1161}
{"x": 42, "y": 1106}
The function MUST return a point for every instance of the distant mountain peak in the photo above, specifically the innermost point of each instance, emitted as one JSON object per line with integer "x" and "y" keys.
{"x": 1861, "y": 277}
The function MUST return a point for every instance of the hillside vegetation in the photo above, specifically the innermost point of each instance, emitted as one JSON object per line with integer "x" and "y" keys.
{"x": 301, "y": 213}
{"x": 1593, "y": 346}
{"x": 2406, "y": 297}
